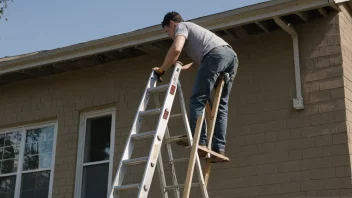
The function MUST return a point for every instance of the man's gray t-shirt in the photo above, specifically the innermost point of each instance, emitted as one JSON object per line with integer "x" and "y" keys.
{"x": 199, "y": 40}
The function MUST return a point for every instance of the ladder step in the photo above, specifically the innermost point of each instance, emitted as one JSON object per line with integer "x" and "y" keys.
{"x": 178, "y": 160}
{"x": 150, "y": 112}
{"x": 222, "y": 157}
{"x": 127, "y": 187}
{"x": 159, "y": 88}
{"x": 175, "y": 115}
{"x": 144, "y": 135}
{"x": 136, "y": 161}
{"x": 180, "y": 186}
{"x": 176, "y": 138}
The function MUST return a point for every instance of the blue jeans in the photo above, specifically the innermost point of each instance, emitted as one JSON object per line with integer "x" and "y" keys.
{"x": 218, "y": 61}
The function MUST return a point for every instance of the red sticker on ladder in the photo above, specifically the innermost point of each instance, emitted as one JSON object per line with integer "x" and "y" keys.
{"x": 166, "y": 114}
{"x": 172, "y": 90}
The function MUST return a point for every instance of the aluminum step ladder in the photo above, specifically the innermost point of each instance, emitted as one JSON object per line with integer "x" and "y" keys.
{"x": 160, "y": 135}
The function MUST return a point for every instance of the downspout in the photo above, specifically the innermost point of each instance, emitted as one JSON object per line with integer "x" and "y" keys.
{"x": 298, "y": 101}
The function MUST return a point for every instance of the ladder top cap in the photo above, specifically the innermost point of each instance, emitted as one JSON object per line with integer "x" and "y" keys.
{"x": 178, "y": 62}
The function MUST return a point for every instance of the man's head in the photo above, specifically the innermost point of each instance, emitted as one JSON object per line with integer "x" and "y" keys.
{"x": 170, "y": 21}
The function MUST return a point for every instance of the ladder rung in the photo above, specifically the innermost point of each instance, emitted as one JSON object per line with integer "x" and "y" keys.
{"x": 175, "y": 138}
{"x": 180, "y": 186}
{"x": 178, "y": 160}
{"x": 127, "y": 187}
{"x": 150, "y": 112}
{"x": 159, "y": 88}
{"x": 175, "y": 115}
{"x": 136, "y": 161}
{"x": 144, "y": 135}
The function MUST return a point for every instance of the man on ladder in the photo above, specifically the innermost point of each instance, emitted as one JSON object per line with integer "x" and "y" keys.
{"x": 213, "y": 57}
{"x": 216, "y": 62}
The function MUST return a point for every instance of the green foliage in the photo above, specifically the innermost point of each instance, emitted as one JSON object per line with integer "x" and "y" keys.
{"x": 3, "y": 6}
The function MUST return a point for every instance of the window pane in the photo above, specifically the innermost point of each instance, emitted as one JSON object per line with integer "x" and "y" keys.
{"x": 45, "y": 160}
{"x": 7, "y": 186}
{"x": 97, "y": 140}
{"x": 1, "y": 152}
{"x": 46, "y": 146}
{"x": 2, "y": 140}
{"x": 11, "y": 152}
{"x": 28, "y": 181}
{"x": 42, "y": 193}
{"x": 35, "y": 185}
{"x": 31, "y": 149}
{"x": 9, "y": 166}
{"x": 38, "y": 148}
{"x": 33, "y": 135}
{"x": 43, "y": 179}
{"x": 48, "y": 133}
{"x": 12, "y": 138}
{"x": 30, "y": 162}
{"x": 40, "y": 134}
{"x": 28, "y": 194}
{"x": 95, "y": 181}
{"x": 7, "y": 195}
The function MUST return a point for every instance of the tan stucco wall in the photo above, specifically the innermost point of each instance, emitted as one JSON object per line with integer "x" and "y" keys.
{"x": 345, "y": 22}
{"x": 275, "y": 151}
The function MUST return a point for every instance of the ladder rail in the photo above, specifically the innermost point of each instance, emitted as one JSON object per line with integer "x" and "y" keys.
{"x": 169, "y": 151}
{"x": 192, "y": 159}
{"x": 162, "y": 178}
{"x": 130, "y": 144}
{"x": 160, "y": 132}
{"x": 164, "y": 193}
{"x": 173, "y": 169}
{"x": 190, "y": 139}
{"x": 213, "y": 112}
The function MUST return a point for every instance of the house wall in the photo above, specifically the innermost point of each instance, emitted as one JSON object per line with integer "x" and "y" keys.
{"x": 345, "y": 22}
{"x": 275, "y": 151}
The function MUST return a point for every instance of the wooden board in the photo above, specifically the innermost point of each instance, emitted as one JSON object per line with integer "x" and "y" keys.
{"x": 214, "y": 153}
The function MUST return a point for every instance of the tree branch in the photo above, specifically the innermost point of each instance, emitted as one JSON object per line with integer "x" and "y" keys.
{"x": 3, "y": 6}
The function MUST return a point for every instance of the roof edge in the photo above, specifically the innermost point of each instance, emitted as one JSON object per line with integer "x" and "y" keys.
{"x": 225, "y": 19}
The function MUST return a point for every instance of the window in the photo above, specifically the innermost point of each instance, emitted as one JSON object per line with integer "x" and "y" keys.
{"x": 27, "y": 161}
{"x": 95, "y": 154}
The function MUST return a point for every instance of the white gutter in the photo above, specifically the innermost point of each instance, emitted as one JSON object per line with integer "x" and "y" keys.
{"x": 298, "y": 101}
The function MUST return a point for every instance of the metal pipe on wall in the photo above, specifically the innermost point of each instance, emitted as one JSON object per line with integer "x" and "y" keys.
{"x": 298, "y": 101}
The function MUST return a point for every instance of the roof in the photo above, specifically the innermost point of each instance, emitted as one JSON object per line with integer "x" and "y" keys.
{"x": 251, "y": 19}
{"x": 8, "y": 58}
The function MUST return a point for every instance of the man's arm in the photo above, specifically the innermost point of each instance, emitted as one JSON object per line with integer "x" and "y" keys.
{"x": 174, "y": 52}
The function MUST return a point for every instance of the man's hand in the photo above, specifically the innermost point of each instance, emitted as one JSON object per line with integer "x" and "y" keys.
{"x": 185, "y": 67}
{"x": 159, "y": 72}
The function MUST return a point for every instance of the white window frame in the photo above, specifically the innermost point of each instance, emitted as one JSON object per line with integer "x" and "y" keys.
{"x": 81, "y": 143}
{"x": 22, "y": 130}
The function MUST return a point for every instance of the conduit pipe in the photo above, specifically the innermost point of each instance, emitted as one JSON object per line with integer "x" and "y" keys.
{"x": 298, "y": 101}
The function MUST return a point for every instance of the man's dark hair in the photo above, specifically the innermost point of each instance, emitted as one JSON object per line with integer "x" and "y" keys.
{"x": 171, "y": 16}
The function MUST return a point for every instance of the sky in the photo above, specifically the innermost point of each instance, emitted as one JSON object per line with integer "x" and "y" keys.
{"x": 47, "y": 24}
